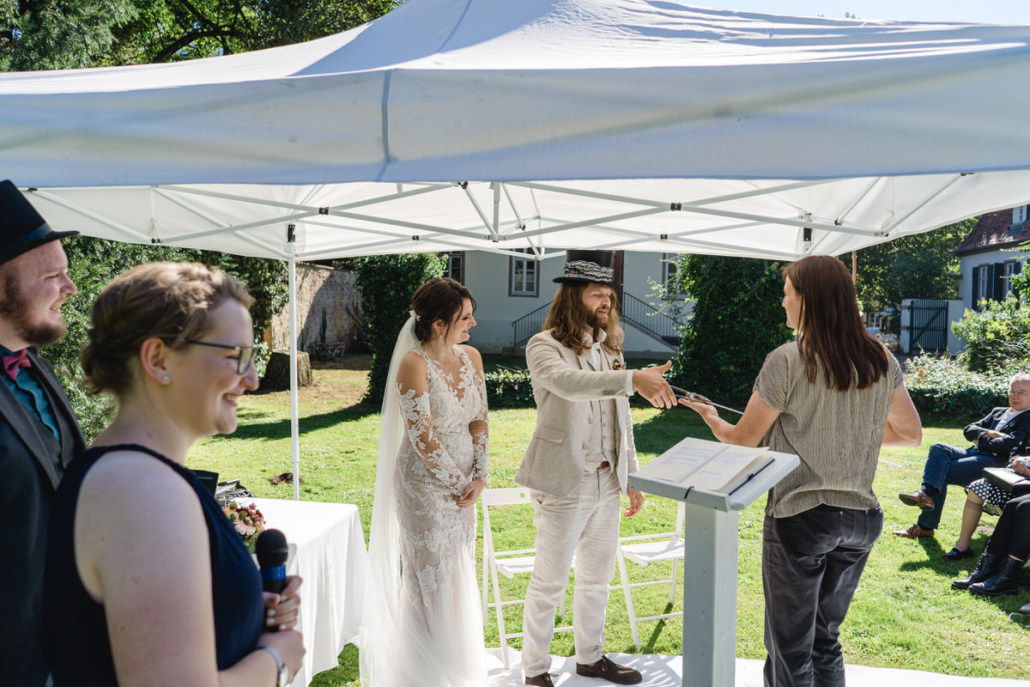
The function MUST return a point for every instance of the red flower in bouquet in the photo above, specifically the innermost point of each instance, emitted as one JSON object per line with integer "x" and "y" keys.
{"x": 247, "y": 520}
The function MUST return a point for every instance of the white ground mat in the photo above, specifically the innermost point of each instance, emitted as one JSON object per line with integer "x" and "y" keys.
{"x": 665, "y": 671}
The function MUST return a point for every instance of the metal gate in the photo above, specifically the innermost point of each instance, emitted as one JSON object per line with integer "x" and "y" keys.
{"x": 929, "y": 325}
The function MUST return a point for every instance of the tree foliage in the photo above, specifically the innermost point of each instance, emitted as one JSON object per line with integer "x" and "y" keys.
{"x": 386, "y": 284}
{"x": 737, "y": 320}
{"x": 918, "y": 266}
{"x": 60, "y": 34}
{"x": 56, "y": 34}
{"x": 93, "y": 262}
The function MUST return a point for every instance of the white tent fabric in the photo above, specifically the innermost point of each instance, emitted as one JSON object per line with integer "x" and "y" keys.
{"x": 491, "y": 124}
{"x": 545, "y": 124}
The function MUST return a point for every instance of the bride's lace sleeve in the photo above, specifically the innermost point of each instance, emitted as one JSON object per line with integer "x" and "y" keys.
{"x": 480, "y": 437}
{"x": 419, "y": 425}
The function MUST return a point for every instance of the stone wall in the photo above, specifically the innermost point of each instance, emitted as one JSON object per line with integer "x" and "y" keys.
{"x": 326, "y": 302}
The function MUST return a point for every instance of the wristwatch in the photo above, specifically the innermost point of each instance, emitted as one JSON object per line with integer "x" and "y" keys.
{"x": 280, "y": 665}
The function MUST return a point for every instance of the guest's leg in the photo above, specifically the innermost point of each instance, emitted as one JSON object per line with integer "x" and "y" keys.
{"x": 595, "y": 565}
{"x": 1012, "y": 533}
{"x": 844, "y": 565}
{"x": 970, "y": 519}
{"x": 962, "y": 471}
{"x": 559, "y": 522}
{"x": 938, "y": 462}
{"x": 793, "y": 563}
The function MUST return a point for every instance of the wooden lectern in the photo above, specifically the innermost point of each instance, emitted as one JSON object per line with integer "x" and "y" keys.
{"x": 714, "y": 481}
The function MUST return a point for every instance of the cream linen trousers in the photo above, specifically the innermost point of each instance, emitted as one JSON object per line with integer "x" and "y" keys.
{"x": 584, "y": 523}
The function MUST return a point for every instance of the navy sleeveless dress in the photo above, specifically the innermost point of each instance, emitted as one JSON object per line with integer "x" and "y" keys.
{"x": 75, "y": 639}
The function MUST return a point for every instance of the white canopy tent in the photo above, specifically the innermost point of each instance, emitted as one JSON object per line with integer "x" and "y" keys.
{"x": 549, "y": 124}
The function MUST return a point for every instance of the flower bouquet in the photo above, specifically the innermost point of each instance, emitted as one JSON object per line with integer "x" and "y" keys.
{"x": 247, "y": 520}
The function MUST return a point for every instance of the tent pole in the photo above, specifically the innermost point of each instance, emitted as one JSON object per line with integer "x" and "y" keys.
{"x": 291, "y": 253}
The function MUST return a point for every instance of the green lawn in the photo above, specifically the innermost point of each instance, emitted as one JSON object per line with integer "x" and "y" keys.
{"x": 904, "y": 614}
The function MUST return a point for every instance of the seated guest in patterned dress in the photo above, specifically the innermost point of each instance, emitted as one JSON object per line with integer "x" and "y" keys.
{"x": 983, "y": 497}
{"x": 146, "y": 580}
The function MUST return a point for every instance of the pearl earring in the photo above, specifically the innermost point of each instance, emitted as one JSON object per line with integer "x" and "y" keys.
{"x": 166, "y": 379}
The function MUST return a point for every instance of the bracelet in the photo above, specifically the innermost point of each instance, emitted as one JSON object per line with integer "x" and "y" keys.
{"x": 280, "y": 667}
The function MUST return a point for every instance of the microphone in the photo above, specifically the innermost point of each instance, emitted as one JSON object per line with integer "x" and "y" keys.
{"x": 272, "y": 552}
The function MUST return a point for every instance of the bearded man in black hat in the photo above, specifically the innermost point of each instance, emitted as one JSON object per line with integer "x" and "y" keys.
{"x": 577, "y": 463}
{"x": 39, "y": 434}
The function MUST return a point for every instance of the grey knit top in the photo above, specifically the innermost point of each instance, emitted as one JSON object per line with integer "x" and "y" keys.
{"x": 837, "y": 434}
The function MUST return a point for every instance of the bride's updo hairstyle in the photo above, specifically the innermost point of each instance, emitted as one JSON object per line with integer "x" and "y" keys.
{"x": 438, "y": 299}
{"x": 167, "y": 300}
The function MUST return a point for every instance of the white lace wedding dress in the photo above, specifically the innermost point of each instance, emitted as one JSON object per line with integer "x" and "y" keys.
{"x": 422, "y": 622}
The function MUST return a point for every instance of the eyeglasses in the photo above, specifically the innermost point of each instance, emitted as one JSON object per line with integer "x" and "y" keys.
{"x": 244, "y": 358}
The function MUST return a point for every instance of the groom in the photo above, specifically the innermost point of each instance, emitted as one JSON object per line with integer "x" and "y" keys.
{"x": 578, "y": 460}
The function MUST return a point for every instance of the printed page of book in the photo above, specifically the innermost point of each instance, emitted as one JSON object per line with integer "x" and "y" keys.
{"x": 682, "y": 460}
{"x": 731, "y": 468}
{"x": 707, "y": 465}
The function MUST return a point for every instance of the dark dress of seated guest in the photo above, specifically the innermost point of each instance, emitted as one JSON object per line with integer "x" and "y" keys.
{"x": 999, "y": 570}
{"x": 147, "y": 582}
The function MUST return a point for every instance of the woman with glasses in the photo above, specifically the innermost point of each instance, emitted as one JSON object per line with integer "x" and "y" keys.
{"x": 147, "y": 582}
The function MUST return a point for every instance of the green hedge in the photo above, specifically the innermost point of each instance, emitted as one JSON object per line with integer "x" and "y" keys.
{"x": 506, "y": 388}
{"x": 509, "y": 389}
{"x": 942, "y": 388}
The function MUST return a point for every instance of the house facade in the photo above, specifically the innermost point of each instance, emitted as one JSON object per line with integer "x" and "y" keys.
{"x": 513, "y": 294}
{"x": 991, "y": 254}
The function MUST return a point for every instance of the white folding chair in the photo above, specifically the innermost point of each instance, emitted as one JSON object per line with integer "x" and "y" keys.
{"x": 508, "y": 563}
{"x": 643, "y": 549}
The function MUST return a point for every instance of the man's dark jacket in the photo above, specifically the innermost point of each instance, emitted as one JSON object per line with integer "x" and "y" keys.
{"x": 32, "y": 462}
{"x": 1016, "y": 431}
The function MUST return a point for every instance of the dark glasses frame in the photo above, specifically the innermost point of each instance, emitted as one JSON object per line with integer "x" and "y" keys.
{"x": 244, "y": 359}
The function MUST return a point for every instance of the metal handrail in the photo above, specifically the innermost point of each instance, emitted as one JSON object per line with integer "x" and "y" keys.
{"x": 529, "y": 324}
{"x": 649, "y": 318}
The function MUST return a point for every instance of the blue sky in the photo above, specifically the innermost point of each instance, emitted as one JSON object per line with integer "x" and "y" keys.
{"x": 976, "y": 11}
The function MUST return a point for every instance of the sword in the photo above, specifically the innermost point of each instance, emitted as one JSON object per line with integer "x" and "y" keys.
{"x": 698, "y": 398}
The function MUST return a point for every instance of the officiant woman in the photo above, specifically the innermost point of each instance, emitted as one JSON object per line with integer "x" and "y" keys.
{"x": 147, "y": 582}
{"x": 832, "y": 396}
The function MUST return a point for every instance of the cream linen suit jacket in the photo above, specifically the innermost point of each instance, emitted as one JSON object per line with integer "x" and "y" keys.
{"x": 564, "y": 383}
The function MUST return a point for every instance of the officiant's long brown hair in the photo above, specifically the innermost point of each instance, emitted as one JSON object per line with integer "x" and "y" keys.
{"x": 832, "y": 333}
{"x": 568, "y": 318}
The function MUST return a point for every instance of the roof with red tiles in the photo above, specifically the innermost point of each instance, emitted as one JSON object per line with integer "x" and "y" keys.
{"x": 993, "y": 231}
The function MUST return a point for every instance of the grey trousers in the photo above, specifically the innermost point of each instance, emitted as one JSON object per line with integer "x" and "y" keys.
{"x": 584, "y": 523}
{"x": 811, "y": 564}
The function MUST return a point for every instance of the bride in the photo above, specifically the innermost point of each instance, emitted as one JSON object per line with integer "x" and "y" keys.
{"x": 422, "y": 624}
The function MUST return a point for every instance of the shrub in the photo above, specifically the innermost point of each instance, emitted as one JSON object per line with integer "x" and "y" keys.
{"x": 94, "y": 262}
{"x": 942, "y": 388}
{"x": 509, "y": 389}
{"x": 386, "y": 284}
{"x": 737, "y": 320}
{"x": 997, "y": 336}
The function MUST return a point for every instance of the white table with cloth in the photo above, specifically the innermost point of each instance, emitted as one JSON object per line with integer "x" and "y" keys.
{"x": 327, "y": 549}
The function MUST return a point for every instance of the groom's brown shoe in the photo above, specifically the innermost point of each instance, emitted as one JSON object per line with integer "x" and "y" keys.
{"x": 541, "y": 680}
{"x": 612, "y": 672}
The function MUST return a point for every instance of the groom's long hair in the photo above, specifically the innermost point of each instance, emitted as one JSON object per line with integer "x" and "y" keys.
{"x": 568, "y": 319}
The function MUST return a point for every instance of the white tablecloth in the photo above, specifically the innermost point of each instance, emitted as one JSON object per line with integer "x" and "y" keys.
{"x": 327, "y": 549}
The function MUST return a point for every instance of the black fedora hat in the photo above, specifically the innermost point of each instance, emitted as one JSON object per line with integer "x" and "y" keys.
{"x": 21, "y": 227}
{"x": 588, "y": 267}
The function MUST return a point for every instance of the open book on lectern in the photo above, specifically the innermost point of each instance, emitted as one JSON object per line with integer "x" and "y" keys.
{"x": 707, "y": 465}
